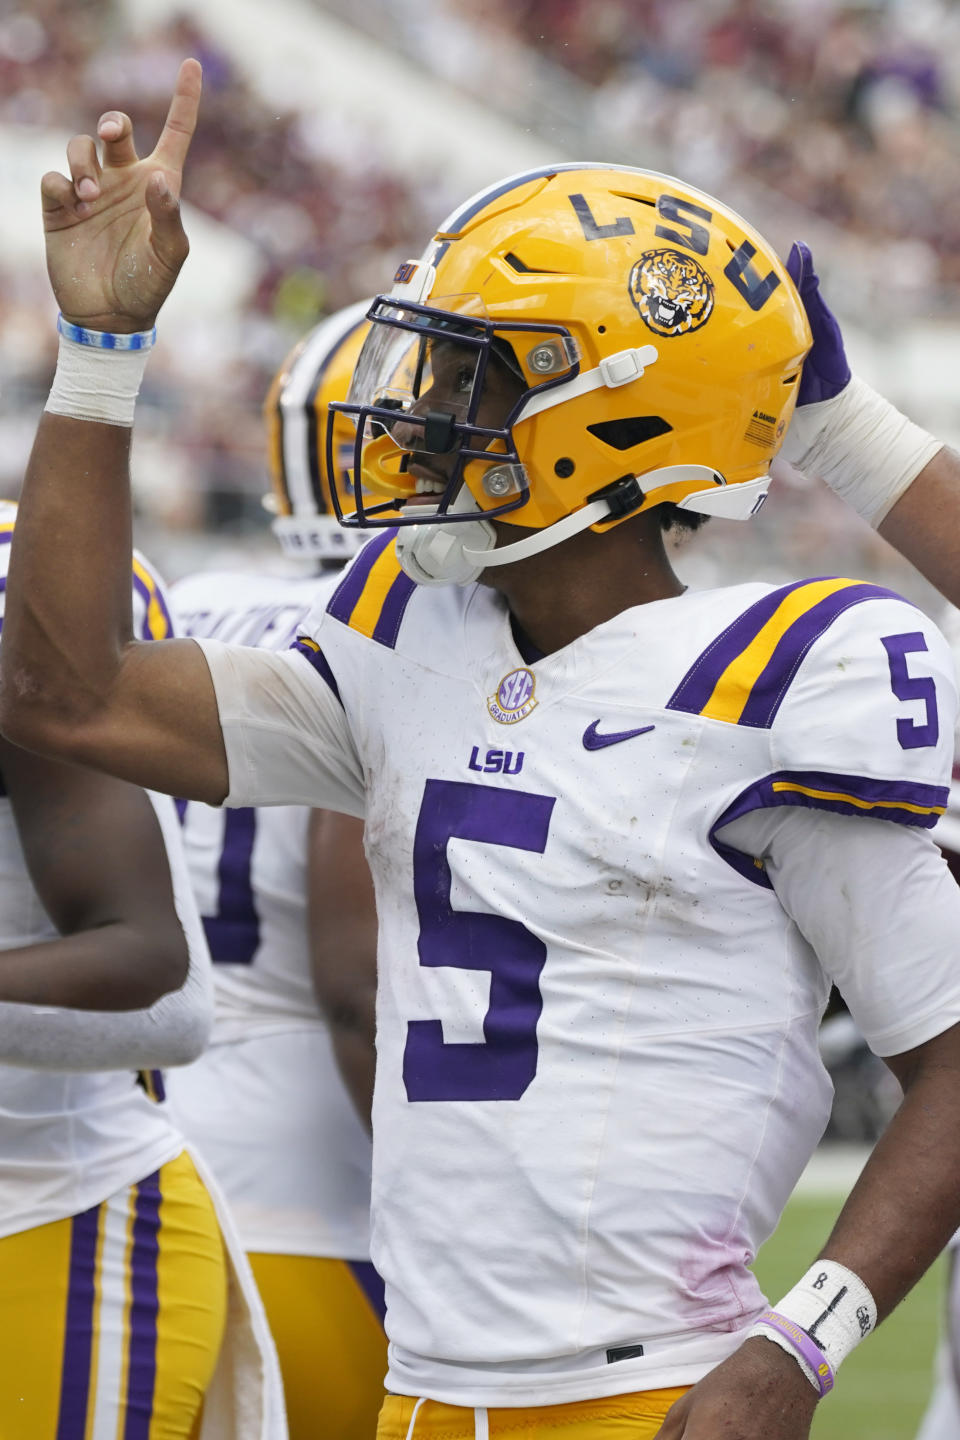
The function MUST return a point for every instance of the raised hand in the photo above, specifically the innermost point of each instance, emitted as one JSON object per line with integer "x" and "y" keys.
{"x": 825, "y": 370}
{"x": 115, "y": 240}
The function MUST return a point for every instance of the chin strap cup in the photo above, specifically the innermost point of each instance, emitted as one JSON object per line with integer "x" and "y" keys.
{"x": 437, "y": 554}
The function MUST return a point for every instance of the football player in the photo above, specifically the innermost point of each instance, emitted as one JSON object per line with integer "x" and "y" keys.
{"x": 113, "y": 1283}
{"x": 265, "y": 1103}
{"x": 622, "y": 835}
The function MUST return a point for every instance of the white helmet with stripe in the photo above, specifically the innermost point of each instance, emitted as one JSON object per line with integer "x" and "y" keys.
{"x": 317, "y": 371}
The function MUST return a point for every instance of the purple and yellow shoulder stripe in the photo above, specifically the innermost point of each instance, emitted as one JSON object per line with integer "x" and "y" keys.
{"x": 374, "y": 593}
{"x": 157, "y": 624}
{"x": 6, "y": 535}
{"x": 744, "y": 674}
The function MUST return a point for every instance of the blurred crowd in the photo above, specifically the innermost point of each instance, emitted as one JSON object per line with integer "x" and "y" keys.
{"x": 327, "y": 228}
{"x": 840, "y": 113}
{"x": 837, "y": 113}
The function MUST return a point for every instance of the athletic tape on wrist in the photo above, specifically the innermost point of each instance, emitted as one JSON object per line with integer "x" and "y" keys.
{"x": 832, "y": 1307}
{"x": 862, "y": 446}
{"x": 96, "y": 383}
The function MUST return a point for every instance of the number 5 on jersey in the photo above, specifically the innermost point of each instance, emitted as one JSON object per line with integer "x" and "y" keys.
{"x": 504, "y": 1064}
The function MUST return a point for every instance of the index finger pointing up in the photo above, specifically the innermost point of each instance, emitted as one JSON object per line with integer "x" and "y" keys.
{"x": 171, "y": 149}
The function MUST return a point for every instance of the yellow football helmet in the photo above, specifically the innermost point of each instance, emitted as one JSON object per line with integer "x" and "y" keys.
{"x": 577, "y": 344}
{"x": 310, "y": 451}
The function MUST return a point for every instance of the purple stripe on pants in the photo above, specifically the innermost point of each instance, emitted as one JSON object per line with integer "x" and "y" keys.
{"x": 372, "y": 1286}
{"x": 78, "y": 1334}
{"x": 144, "y": 1304}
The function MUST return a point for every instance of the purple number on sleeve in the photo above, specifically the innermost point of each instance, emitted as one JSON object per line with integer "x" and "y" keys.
{"x": 504, "y": 1064}
{"x": 912, "y": 734}
{"x": 233, "y": 933}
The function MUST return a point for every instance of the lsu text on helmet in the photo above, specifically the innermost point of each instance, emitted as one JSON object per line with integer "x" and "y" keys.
{"x": 310, "y": 451}
{"x": 577, "y": 344}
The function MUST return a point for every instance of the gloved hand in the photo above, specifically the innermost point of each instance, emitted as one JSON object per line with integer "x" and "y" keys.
{"x": 841, "y": 430}
{"x": 825, "y": 370}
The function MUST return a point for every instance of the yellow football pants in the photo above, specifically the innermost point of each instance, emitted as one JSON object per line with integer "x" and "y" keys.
{"x": 111, "y": 1321}
{"x": 327, "y": 1321}
{"x": 630, "y": 1417}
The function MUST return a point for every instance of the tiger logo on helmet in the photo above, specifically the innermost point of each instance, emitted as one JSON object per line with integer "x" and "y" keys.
{"x": 673, "y": 292}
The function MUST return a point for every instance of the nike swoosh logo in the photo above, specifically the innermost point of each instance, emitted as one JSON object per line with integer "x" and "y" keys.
{"x": 594, "y": 741}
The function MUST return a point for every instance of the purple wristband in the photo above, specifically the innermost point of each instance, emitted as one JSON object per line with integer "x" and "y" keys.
{"x": 804, "y": 1346}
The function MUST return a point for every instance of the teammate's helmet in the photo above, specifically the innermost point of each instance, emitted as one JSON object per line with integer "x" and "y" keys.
{"x": 310, "y": 450}
{"x": 649, "y": 342}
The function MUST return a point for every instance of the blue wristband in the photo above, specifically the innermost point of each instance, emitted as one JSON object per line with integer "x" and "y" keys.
{"x": 105, "y": 339}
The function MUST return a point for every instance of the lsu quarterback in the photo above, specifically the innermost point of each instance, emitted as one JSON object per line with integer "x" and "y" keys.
{"x": 623, "y": 836}
{"x": 279, "y": 890}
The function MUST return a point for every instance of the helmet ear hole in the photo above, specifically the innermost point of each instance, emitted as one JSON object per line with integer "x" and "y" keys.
{"x": 625, "y": 433}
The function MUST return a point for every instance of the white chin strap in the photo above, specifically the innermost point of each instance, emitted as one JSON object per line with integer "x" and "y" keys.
{"x": 458, "y": 554}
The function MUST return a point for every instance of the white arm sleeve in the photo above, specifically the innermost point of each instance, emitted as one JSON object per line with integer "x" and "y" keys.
{"x": 285, "y": 731}
{"x": 173, "y": 1031}
{"x": 878, "y": 905}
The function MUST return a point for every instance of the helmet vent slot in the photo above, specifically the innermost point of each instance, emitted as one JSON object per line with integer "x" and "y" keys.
{"x": 521, "y": 268}
{"x": 633, "y": 430}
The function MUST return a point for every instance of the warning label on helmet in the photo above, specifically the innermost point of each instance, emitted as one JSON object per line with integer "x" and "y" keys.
{"x": 762, "y": 429}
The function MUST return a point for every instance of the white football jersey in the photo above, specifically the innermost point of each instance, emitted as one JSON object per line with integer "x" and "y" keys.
{"x": 598, "y": 1076}
{"x": 68, "y": 1140}
{"x": 265, "y": 1103}
{"x": 947, "y": 830}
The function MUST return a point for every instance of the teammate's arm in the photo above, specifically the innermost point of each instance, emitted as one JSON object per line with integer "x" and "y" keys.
{"x": 73, "y": 682}
{"x": 96, "y": 856}
{"x": 343, "y": 946}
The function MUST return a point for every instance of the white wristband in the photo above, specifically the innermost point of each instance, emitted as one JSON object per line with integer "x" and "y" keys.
{"x": 861, "y": 446}
{"x": 833, "y": 1306}
{"x": 96, "y": 384}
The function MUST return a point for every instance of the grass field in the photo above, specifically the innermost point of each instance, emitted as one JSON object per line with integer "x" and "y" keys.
{"x": 883, "y": 1388}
